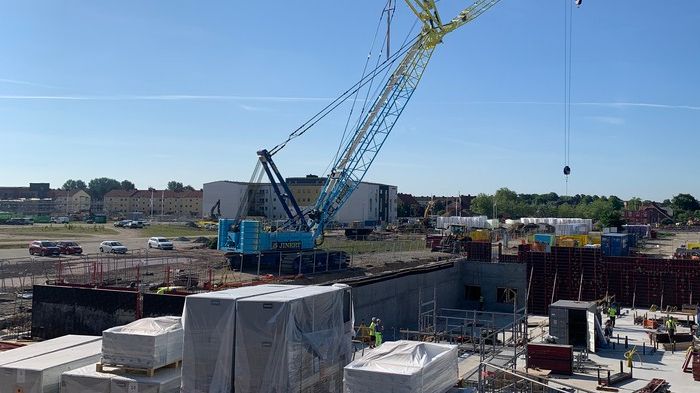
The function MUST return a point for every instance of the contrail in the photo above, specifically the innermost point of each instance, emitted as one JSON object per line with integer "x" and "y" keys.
{"x": 26, "y": 83}
{"x": 165, "y": 97}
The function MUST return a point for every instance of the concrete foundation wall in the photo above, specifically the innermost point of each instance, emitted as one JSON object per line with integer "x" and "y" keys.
{"x": 57, "y": 311}
{"x": 491, "y": 276}
{"x": 394, "y": 299}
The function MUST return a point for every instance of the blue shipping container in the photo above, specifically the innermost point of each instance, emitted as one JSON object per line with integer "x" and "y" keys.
{"x": 615, "y": 244}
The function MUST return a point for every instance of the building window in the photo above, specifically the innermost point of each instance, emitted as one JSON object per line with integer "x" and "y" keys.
{"x": 506, "y": 295}
{"x": 472, "y": 293}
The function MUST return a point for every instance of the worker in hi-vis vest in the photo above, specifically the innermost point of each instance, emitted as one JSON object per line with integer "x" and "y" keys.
{"x": 379, "y": 330}
{"x": 612, "y": 313}
{"x": 372, "y": 332}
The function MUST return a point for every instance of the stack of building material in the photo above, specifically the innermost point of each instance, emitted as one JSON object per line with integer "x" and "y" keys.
{"x": 45, "y": 347}
{"x": 294, "y": 340}
{"x": 87, "y": 380}
{"x": 148, "y": 343}
{"x": 557, "y": 358}
{"x": 404, "y": 366}
{"x": 209, "y": 321}
{"x": 470, "y": 222}
{"x": 166, "y": 380}
{"x": 41, "y": 374}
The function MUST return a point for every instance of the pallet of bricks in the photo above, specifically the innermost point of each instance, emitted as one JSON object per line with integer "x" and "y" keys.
{"x": 144, "y": 355}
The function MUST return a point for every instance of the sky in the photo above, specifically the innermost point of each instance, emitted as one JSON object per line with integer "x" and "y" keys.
{"x": 190, "y": 90}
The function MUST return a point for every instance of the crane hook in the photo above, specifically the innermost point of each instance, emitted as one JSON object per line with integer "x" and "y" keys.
{"x": 567, "y": 170}
{"x": 578, "y": 2}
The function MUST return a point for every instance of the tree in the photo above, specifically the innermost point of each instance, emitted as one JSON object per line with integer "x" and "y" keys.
{"x": 482, "y": 204}
{"x": 71, "y": 185}
{"x": 188, "y": 188}
{"x": 100, "y": 186}
{"x": 634, "y": 204}
{"x": 685, "y": 202}
{"x": 175, "y": 186}
{"x": 127, "y": 185}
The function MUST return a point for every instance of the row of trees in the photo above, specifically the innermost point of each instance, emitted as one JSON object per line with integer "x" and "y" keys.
{"x": 98, "y": 187}
{"x": 608, "y": 210}
{"x": 509, "y": 204}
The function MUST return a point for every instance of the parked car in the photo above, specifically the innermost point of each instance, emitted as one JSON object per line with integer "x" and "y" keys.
{"x": 112, "y": 246}
{"x": 134, "y": 224}
{"x": 43, "y": 248}
{"x": 160, "y": 243}
{"x": 68, "y": 247}
{"x": 121, "y": 223}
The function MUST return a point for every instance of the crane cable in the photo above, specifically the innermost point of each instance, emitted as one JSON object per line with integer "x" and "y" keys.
{"x": 568, "y": 33}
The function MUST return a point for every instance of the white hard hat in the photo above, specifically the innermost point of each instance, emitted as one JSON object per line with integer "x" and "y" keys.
{"x": 374, "y": 319}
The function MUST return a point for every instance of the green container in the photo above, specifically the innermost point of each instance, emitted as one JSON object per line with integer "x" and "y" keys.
{"x": 42, "y": 219}
{"x": 100, "y": 219}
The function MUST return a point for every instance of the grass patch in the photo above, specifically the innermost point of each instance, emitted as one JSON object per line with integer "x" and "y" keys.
{"x": 662, "y": 235}
{"x": 58, "y": 231}
{"x": 171, "y": 231}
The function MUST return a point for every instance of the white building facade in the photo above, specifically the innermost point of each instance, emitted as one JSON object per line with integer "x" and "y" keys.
{"x": 371, "y": 203}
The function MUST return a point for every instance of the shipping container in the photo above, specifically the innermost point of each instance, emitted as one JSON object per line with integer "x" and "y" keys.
{"x": 615, "y": 244}
{"x": 573, "y": 323}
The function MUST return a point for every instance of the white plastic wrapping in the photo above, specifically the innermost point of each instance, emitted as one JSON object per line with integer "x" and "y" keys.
{"x": 209, "y": 321}
{"x": 41, "y": 374}
{"x": 572, "y": 229}
{"x": 85, "y": 380}
{"x": 471, "y": 222}
{"x": 45, "y": 347}
{"x": 293, "y": 341}
{"x": 166, "y": 380}
{"x": 559, "y": 221}
{"x": 404, "y": 367}
{"x": 145, "y": 343}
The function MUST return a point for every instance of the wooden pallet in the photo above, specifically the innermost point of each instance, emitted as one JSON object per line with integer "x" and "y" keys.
{"x": 122, "y": 369}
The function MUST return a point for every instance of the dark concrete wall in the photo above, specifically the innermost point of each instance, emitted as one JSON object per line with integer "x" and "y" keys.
{"x": 162, "y": 305}
{"x": 57, "y": 311}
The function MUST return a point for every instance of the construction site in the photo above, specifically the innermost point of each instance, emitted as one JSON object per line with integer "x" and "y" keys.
{"x": 251, "y": 301}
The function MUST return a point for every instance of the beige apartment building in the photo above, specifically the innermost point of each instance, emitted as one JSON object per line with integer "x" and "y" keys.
{"x": 70, "y": 202}
{"x": 178, "y": 204}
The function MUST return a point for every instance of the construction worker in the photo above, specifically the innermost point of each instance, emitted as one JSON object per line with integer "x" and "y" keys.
{"x": 379, "y": 330}
{"x": 363, "y": 332}
{"x": 612, "y": 313}
{"x": 372, "y": 332}
{"x": 671, "y": 328}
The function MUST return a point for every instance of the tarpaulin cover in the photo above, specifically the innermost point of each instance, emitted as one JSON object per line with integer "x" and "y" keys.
{"x": 85, "y": 380}
{"x": 404, "y": 367}
{"x": 293, "y": 341}
{"x": 209, "y": 320}
{"x": 146, "y": 343}
{"x": 471, "y": 222}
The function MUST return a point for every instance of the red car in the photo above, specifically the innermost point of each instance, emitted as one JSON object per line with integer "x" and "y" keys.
{"x": 69, "y": 247}
{"x": 43, "y": 248}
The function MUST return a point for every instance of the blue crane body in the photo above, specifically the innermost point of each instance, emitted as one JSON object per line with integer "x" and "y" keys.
{"x": 294, "y": 244}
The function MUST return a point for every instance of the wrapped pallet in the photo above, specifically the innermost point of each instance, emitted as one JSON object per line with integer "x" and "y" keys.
{"x": 294, "y": 340}
{"x": 209, "y": 321}
{"x": 45, "y": 347}
{"x": 404, "y": 367}
{"x": 85, "y": 380}
{"x": 41, "y": 374}
{"x": 166, "y": 380}
{"x": 145, "y": 343}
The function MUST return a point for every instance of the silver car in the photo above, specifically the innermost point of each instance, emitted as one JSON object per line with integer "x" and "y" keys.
{"x": 160, "y": 243}
{"x": 113, "y": 246}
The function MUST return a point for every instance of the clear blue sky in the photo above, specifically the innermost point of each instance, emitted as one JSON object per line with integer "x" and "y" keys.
{"x": 189, "y": 90}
